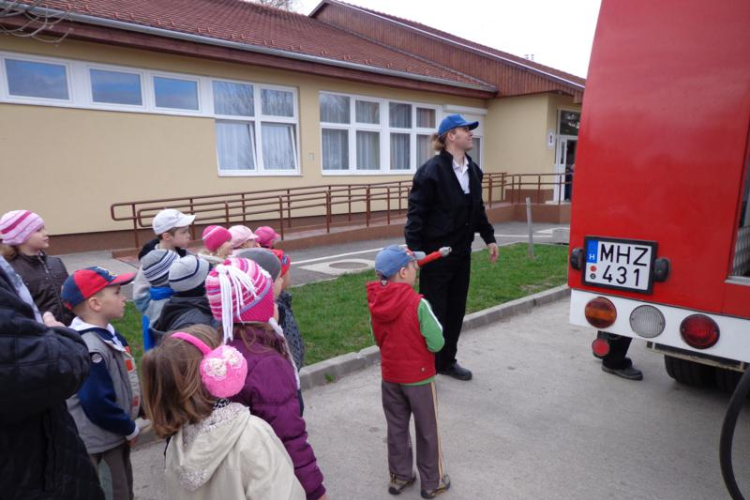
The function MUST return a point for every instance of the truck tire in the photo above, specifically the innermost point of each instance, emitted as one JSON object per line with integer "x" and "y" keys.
{"x": 689, "y": 372}
{"x": 727, "y": 380}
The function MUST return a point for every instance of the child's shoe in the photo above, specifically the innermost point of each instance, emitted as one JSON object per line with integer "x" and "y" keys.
{"x": 396, "y": 486}
{"x": 445, "y": 484}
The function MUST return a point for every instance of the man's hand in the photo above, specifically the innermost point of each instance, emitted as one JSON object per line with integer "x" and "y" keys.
{"x": 50, "y": 320}
{"x": 494, "y": 252}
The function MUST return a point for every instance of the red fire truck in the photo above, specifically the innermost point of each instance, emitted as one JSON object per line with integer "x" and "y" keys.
{"x": 660, "y": 230}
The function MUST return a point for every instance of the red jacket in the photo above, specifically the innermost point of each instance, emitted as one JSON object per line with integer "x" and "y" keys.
{"x": 404, "y": 356}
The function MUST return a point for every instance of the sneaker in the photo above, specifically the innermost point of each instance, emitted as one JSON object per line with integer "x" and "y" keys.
{"x": 456, "y": 371}
{"x": 396, "y": 486}
{"x": 445, "y": 484}
{"x": 629, "y": 373}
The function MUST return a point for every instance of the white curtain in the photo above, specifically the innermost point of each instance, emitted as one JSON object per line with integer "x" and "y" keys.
{"x": 367, "y": 112}
{"x": 279, "y": 150}
{"x": 235, "y": 144}
{"x": 425, "y": 118}
{"x": 234, "y": 99}
{"x": 277, "y": 102}
{"x": 400, "y": 115}
{"x": 424, "y": 149}
{"x": 368, "y": 150}
{"x": 334, "y": 108}
{"x": 476, "y": 151}
{"x": 400, "y": 152}
{"x": 335, "y": 149}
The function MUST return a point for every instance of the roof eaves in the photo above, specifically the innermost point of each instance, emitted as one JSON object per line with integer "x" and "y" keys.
{"x": 447, "y": 40}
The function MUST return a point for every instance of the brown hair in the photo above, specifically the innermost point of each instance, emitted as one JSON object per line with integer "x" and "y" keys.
{"x": 173, "y": 393}
{"x": 8, "y": 252}
{"x": 172, "y": 231}
{"x": 438, "y": 141}
{"x": 260, "y": 337}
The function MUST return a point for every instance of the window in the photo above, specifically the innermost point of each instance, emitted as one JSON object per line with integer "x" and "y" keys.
{"x": 233, "y": 99}
{"x": 570, "y": 122}
{"x": 476, "y": 151}
{"x": 176, "y": 93}
{"x": 277, "y": 103}
{"x": 367, "y": 135}
{"x": 235, "y": 144}
{"x": 279, "y": 151}
{"x": 37, "y": 79}
{"x": 115, "y": 87}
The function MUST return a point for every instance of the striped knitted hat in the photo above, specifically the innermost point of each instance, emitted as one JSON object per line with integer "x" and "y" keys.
{"x": 17, "y": 226}
{"x": 239, "y": 291}
{"x": 156, "y": 264}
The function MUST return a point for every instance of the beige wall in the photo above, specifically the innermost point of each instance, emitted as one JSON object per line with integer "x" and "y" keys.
{"x": 70, "y": 165}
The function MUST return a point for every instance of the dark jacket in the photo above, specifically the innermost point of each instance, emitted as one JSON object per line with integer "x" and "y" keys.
{"x": 41, "y": 454}
{"x": 44, "y": 277}
{"x": 151, "y": 245}
{"x": 439, "y": 213}
{"x": 181, "y": 311}
{"x": 288, "y": 324}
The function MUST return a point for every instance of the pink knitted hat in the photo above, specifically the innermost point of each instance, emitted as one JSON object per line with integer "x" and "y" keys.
{"x": 241, "y": 235}
{"x": 223, "y": 370}
{"x": 214, "y": 237}
{"x": 240, "y": 291}
{"x": 18, "y": 225}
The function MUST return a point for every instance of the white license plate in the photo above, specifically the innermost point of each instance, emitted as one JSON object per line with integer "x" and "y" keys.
{"x": 619, "y": 264}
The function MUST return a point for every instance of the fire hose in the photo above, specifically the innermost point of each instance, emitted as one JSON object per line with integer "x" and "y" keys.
{"x": 727, "y": 435}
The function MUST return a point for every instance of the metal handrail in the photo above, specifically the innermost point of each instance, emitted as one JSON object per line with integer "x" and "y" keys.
{"x": 279, "y": 204}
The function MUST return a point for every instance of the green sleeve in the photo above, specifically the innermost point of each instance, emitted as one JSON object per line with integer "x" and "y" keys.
{"x": 430, "y": 327}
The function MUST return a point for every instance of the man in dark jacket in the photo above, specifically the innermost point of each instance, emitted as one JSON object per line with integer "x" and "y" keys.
{"x": 446, "y": 209}
{"x": 41, "y": 365}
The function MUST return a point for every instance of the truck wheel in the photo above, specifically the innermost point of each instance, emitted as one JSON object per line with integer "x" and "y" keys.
{"x": 727, "y": 380}
{"x": 689, "y": 372}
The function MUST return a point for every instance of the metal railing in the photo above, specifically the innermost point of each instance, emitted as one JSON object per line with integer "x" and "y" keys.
{"x": 381, "y": 201}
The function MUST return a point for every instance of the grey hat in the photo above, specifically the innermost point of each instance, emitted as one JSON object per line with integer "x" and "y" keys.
{"x": 264, "y": 258}
{"x": 156, "y": 265}
{"x": 188, "y": 273}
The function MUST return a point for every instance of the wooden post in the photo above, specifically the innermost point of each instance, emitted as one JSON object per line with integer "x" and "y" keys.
{"x": 531, "y": 232}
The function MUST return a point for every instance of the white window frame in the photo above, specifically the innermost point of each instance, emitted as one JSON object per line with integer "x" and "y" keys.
{"x": 80, "y": 96}
{"x": 383, "y": 128}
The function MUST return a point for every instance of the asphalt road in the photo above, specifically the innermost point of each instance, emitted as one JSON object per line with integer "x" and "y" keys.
{"x": 539, "y": 421}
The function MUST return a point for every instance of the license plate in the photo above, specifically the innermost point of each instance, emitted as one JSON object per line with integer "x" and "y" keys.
{"x": 619, "y": 264}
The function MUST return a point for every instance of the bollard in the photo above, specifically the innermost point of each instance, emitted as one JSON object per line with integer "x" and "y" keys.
{"x": 531, "y": 232}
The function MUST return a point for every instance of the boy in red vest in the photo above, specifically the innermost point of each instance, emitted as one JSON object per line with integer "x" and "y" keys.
{"x": 408, "y": 334}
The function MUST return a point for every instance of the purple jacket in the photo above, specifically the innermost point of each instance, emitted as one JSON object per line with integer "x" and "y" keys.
{"x": 271, "y": 393}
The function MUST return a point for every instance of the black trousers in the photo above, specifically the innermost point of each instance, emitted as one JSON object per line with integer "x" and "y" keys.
{"x": 618, "y": 350}
{"x": 445, "y": 285}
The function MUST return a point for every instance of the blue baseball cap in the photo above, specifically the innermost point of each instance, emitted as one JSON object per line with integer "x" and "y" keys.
{"x": 453, "y": 121}
{"x": 391, "y": 259}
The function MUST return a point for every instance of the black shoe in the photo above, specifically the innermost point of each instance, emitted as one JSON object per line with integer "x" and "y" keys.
{"x": 396, "y": 486}
{"x": 456, "y": 371}
{"x": 443, "y": 486}
{"x": 629, "y": 373}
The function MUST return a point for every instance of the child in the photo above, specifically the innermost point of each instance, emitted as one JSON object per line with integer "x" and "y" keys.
{"x": 107, "y": 404}
{"x": 242, "y": 238}
{"x": 267, "y": 237}
{"x": 189, "y": 305}
{"x": 218, "y": 241}
{"x": 25, "y": 239}
{"x": 241, "y": 298}
{"x": 217, "y": 450}
{"x": 408, "y": 335}
{"x": 155, "y": 266}
{"x": 287, "y": 321}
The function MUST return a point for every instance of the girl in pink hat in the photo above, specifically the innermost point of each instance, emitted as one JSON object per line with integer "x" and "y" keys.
{"x": 24, "y": 241}
{"x": 241, "y": 298}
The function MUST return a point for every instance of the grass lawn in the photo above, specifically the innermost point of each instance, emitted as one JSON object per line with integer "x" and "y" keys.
{"x": 333, "y": 316}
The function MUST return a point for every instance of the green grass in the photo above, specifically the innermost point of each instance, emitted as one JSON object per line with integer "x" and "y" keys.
{"x": 333, "y": 316}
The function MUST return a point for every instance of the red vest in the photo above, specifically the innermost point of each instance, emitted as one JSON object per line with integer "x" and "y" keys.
{"x": 404, "y": 357}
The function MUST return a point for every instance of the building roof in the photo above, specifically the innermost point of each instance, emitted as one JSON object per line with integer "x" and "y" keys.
{"x": 254, "y": 25}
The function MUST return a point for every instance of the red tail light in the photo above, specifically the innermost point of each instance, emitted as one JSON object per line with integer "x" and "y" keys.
{"x": 600, "y": 313}
{"x": 600, "y": 348}
{"x": 699, "y": 331}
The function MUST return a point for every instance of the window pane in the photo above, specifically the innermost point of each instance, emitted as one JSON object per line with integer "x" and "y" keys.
{"x": 424, "y": 149}
{"x": 279, "y": 151}
{"x": 400, "y": 152}
{"x": 234, "y": 99}
{"x": 367, "y": 112}
{"x": 425, "y": 118}
{"x": 34, "y": 79}
{"x": 368, "y": 150}
{"x": 176, "y": 94}
{"x": 335, "y": 149}
{"x": 400, "y": 115}
{"x": 235, "y": 145}
{"x": 476, "y": 151}
{"x": 116, "y": 87}
{"x": 570, "y": 121}
{"x": 277, "y": 102}
{"x": 334, "y": 108}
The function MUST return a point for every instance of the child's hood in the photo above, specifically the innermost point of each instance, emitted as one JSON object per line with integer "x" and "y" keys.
{"x": 197, "y": 451}
{"x": 387, "y": 301}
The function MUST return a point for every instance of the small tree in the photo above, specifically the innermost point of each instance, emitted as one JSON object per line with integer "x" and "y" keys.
{"x": 289, "y": 5}
{"x": 28, "y": 20}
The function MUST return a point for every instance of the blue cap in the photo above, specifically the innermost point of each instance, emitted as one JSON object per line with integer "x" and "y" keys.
{"x": 453, "y": 121}
{"x": 391, "y": 259}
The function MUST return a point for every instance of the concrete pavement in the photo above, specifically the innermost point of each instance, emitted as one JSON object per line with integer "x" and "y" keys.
{"x": 539, "y": 421}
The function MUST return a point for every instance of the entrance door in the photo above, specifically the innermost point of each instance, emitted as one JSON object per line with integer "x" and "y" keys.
{"x": 565, "y": 159}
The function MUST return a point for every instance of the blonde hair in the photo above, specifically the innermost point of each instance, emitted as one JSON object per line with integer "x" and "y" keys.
{"x": 438, "y": 141}
{"x": 173, "y": 393}
{"x": 8, "y": 252}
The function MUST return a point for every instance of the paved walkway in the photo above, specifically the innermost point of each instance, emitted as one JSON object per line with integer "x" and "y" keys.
{"x": 539, "y": 421}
